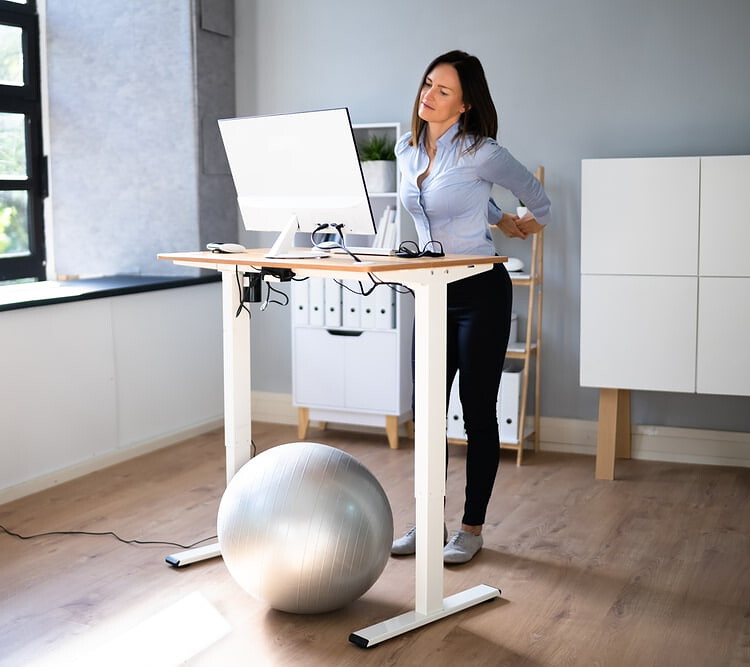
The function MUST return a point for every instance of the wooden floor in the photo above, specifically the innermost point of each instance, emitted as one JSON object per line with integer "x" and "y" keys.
{"x": 652, "y": 569}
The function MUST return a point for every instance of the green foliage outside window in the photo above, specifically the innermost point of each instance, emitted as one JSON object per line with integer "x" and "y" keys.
{"x": 14, "y": 236}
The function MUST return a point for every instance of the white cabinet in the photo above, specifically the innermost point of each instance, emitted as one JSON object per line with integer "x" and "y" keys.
{"x": 639, "y": 216}
{"x": 723, "y": 365}
{"x": 665, "y": 284}
{"x": 351, "y": 360}
{"x": 638, "y": 332}
{"x": 724, "y": 217}
{"x": 358, "y": 374}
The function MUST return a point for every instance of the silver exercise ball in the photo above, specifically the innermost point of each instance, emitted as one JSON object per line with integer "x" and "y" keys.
{"x": 305, "y": 528}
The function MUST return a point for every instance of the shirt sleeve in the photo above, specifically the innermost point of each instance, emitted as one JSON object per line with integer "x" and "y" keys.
{"x": 494, "y": 212}
{"x": 497, "y": 165}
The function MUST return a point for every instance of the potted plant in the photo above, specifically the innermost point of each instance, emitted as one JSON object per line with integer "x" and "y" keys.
{"x": 378, "y": 164}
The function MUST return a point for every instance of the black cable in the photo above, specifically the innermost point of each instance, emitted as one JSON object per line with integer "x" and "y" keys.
{"x": 340, "y": 244}
{"x": 376, "y": 282}
{"x": 361, "y": 291}
{"x": 241, "y": 290}
{"x": 107, "y": 533}
{"x": 396, "y": 287}
{"x": 268, "y": 299}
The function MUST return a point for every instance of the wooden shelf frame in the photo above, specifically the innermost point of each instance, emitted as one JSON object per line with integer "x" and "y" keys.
{"x": 530, "y": 347}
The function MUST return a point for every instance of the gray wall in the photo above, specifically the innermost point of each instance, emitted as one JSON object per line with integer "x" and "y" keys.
{"x": 136, "y": 167}
{"x": 571, "y": 80}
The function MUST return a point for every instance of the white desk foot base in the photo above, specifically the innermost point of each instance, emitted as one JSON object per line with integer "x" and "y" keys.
{"x": 411, "y": 620}
{"x": 183, "y": 558}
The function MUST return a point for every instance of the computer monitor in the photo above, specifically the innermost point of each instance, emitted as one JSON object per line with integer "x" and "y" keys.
{"x": 294, "y": 172}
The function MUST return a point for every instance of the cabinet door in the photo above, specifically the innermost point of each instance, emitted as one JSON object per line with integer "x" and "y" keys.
{"x": 725, "y": 221}
{"x": 723, "y": 335}
{"x": 372, "y": 382}
{"x": 319, "y": 368}
{"x": 640, "y": 216}
{"x": 334, "y": 369}
{"x": 638, "y": 332}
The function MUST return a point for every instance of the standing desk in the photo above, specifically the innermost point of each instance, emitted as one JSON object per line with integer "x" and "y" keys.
{"x": 428, "y": 278}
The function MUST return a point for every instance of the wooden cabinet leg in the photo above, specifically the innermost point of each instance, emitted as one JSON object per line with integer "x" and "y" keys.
{"x": 303, "y": 422}
{"x": 391, "y": 430}
{"x": 614, "y": 431}
{"x": 622, "y": 442}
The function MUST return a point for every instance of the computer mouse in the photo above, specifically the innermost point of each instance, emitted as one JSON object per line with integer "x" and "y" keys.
{"x": 226, "y": 247}
{"x": 328, "y": 245}
{"x": 514, "y": 264}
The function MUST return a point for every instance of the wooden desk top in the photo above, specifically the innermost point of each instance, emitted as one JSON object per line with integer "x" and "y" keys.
{"x": 370, "y": 264}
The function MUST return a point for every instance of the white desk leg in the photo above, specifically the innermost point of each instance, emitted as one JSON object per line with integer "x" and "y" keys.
{"x": 429, "y": 443}
{"x": 237, "y": 392}
{"x": 429, "y": 476}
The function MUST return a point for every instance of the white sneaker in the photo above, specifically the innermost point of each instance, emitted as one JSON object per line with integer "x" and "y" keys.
{"x": 406, "y": 545}
{"x": 463, "y": 546}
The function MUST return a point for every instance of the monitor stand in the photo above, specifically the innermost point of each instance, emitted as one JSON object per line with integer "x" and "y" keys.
{"x": 283, "y": 248}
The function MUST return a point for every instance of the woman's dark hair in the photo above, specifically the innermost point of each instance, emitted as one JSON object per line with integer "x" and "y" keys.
{"x": 480, "y": 118}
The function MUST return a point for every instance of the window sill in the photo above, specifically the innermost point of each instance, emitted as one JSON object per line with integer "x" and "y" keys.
{"x": 29, "y": 295}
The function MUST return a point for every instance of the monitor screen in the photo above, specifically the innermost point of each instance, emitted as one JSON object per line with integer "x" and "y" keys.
{"x": 302, "y": 165}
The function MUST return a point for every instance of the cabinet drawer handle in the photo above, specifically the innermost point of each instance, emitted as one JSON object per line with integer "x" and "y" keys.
{"x": 344, "y": 332}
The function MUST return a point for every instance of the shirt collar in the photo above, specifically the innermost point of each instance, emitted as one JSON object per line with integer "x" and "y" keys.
{"x": 446, "y": 138}
{"x": 450, "y": 134}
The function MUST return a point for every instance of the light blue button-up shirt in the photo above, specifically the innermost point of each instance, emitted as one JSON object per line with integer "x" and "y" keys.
{"x": 452, "y": 204}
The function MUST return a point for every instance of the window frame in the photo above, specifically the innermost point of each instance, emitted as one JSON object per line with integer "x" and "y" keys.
{"x": 27, "y": 99}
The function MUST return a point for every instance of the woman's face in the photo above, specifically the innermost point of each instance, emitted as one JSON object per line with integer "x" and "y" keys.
{"x": 441, "y": 99}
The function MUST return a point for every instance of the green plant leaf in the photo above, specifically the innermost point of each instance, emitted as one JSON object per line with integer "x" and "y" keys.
{"x": 377, "y": 148}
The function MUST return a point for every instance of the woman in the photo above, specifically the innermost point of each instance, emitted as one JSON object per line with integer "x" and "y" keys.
{"x": 449, "y": 162}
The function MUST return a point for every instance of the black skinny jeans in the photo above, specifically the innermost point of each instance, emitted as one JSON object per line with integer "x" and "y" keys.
{"x": 478, "y": 326}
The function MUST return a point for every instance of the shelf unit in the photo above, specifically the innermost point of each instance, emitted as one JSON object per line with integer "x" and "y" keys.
{"x": 513, "y": 398}
{"x": 529, "y": 349}
{"x": 354, "y": 367}
{"x": 379, "y": 201}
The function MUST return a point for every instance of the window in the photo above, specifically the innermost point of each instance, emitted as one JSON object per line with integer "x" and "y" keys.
{"x": 22, "y": 163}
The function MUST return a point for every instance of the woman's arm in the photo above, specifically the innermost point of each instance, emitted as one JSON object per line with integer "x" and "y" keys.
{"x": 508, "y": 225}
{"x": 528, "y": 224}
{"x": 497, "y": 165}
{"x": 505, "y": 222}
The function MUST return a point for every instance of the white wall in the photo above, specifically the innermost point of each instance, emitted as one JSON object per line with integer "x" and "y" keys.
{"x": 88, "y": 383}
{"x": 593, "y": 78}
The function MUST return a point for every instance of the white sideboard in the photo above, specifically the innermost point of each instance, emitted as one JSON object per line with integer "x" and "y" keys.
{"x": 351, "y": 372}
{"x": 665, "y": 279}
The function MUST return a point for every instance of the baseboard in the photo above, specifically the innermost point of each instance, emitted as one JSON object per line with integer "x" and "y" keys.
{"x": 578, "y": 436}
{"x": 273, "y": 408}
{"x": 104, "y": 461}
{"x": 653, "y": 443}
